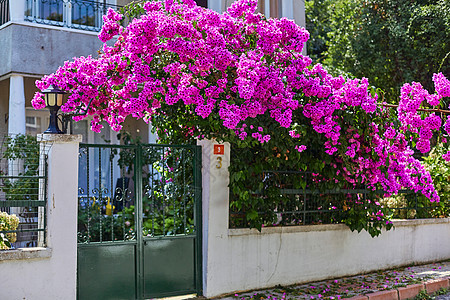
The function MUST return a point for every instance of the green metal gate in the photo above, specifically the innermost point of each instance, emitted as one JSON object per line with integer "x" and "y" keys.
{"x": 139, "y": 221}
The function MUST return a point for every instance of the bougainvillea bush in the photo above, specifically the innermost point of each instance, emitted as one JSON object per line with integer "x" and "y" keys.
{"x": 242, "y": 78}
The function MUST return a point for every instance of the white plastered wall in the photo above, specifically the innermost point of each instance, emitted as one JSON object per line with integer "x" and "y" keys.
{"x": 49, "y": 273}
{"x": 244, "y": 259}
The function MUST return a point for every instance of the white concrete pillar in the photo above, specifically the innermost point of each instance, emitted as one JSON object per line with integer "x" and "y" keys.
{"x": 16, "y": 121}
{"x": 215, "y": 5}
{"x": 17, "y": 10}
{"x": 287, "y": 9}
{"x": 152, "y": 137}
{"x": 215, "y": 206}
{"x": 62, "y": 209}
{"x": 299, "y": 16}
{"x": 298, "y": 12}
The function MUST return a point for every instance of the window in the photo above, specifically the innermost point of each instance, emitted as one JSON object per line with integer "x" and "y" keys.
{"x": 202, "y": 3}
{"x": 36, "y": 121}
{"x": 52, "y": 11}
{"x": 31, "y": 121}
{"x": 79, "y": 14}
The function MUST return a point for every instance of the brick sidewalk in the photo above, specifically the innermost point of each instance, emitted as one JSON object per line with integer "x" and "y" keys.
{"x": 397, "y": 284}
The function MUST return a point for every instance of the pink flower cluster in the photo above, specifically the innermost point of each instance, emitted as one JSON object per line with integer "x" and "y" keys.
{"x": 240, "y": 65}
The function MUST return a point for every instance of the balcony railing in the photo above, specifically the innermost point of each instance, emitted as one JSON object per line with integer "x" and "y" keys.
{"x": 4, "y": 11}
{"x": 78, "y": 14}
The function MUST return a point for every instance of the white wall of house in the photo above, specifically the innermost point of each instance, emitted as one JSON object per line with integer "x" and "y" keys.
{"x": 49, "y": 273}
{"x": 244, "y": 259}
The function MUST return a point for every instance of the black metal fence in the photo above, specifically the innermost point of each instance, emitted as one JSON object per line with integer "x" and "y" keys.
{"x": 77, "y": 14}
{"x": 23, "y": 192}
{"x": 4, "y": 11}
{"x": 283, "y": 201}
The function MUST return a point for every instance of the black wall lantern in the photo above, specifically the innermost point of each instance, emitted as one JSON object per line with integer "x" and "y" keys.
{"x": 53, "y": 100}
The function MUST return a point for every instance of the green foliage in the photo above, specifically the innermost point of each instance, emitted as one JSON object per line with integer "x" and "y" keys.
{"x": 423, "y": 295}
{"x": 409, "y": 205}
{"x": 440, "y": 173}
{"x": 388, "y": 41}
{"x": 329, "y": 20}
{"x": 22, "y": 152}
{"x": 439, "y": 170}
{"x": 7, "y": 223}
{"x": 95, "y": 225}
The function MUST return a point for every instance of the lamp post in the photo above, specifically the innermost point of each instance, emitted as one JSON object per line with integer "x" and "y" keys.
{"x": 53, "y": 100}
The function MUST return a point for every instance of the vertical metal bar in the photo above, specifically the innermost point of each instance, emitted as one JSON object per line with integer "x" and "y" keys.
{"x": 88, "y": 194}
{"x": 123, "y": 194}
{"x": 417, "y": 207}
{"x": 184, "y": 189}
{"x": 164, "y": 190}
{"x": 151, "y": 184}
{"x": 100, "y": 194}
{"x": 304, "y": 198}
{"x": 138, "y": 222}
{"x": 197, "y": 169}
{"x": 111, "y": 189}
{"x": 175, "y": 189}
{"x": 45, "y": 197}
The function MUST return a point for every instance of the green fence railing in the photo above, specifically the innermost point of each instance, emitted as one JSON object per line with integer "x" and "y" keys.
{"x": 23, "y": 192}
{"x": 287, "y": 204}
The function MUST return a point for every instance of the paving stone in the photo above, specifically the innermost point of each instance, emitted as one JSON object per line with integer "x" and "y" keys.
{"x": 384, "y": 295}
{"x": 435, "y": 285}
{"x": 410, "y": 291}
{"x": 359, "y": 297}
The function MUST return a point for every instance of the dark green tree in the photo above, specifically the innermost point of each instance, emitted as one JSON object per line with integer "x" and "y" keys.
{"x": 388, "y": 41}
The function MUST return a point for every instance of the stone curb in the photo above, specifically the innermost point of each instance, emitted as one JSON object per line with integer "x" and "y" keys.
{"x": 384, "y": 295}
{"x": 435, "y": 285}
{"x": 408, "y": 292}
{"x": 359, "y": 297}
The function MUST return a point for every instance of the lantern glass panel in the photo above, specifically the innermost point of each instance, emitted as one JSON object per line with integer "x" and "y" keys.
{"x": 51, "y": 99}
{"x": 60, "y": 99}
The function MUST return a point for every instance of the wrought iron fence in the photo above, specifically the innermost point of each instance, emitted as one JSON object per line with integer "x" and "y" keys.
{"x": 23, "y": 192}
{"x": 293, "y": 204}
{"x": 122, "y": 188}
{"x": 78, "y": 14}
{"x": 4, "y": 11}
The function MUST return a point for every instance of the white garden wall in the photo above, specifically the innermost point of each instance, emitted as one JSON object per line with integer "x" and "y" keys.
{"x": 49, "y": 273}
{"x": 244, "y": 259}
{"x": 233, "y": 259}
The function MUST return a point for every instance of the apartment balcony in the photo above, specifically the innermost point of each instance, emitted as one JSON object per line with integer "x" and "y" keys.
{"x": 76, "y": 14}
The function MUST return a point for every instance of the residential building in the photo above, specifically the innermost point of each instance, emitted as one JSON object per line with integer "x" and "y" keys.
{"x": 37, "y": 36}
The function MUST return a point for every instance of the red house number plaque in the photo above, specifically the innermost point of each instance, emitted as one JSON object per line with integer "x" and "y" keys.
{"x": 219, "y": 149}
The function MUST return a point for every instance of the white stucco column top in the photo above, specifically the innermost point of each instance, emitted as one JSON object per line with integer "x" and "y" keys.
{"x": 60, "y": 138}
